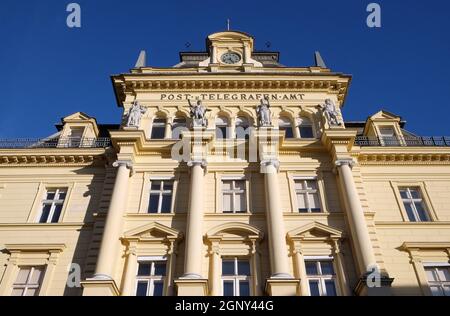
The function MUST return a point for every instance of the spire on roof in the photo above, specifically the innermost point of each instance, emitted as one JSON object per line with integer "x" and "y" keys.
{"x": 142, "y": 60}
{"x": 319, "y": 61}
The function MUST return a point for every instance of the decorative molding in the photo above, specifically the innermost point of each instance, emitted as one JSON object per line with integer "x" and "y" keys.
{"x": 402, "y": 159}
{"x": 50, "y": 160}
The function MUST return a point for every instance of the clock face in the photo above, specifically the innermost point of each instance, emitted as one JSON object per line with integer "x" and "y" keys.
{"x": 231, "y": 58}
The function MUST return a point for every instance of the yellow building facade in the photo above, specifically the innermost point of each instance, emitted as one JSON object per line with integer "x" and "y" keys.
{"x": 228, "y": 175}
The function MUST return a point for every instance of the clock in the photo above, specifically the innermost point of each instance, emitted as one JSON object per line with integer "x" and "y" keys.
{"x": 230, "y": 58}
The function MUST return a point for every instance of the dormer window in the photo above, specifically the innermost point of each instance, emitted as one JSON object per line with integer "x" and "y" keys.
{"x": 76, "y": 134}
{"x": 388, "y": 136}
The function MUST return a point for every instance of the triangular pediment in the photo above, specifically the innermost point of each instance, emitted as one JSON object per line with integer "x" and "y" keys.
{"x": 385, "y": 115}
{"x": 78, "y": 116}
{"x": 315, "y": 230}
{"x": 153, "y": 231}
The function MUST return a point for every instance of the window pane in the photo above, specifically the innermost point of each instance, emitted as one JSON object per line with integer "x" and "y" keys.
{"x": 447, "y": 290}
{"x": 144, "y": 269}
{"x": 244, "y": 288}
{"x": 240, "y": 204}
{"x": 154, "y": 201}
{"x": 299, "y": 185}
{"x": 57, "y": 213}
{"x": 62, "y": 195}
{"x": 436, "y": 291}
{"x": 227, "y": 202}
{"x": 244, "y": 268}
{"x": 404, "y": 194}
{"x": 166, "y": 203}
{"x": 306, "y": 132}
{"x": 158, "y": 132}
{"x": 444, "y": 274}
{"x": 160, "y": 268}
{"x": 311, "y": 268}
{"x": 221, "y": 132}
{"x": 22, "y": 277}
{"x": 410, "y": 212}
{"x": 228, "y": 267}
{"x": 415, "y": 194}
{"x": 31, "y": 292}
{"x": 239, "y": 185}
{"x": 168, "y": 186}
{"x": 314, "y": 288}
{"x": 311, "y": 185}
{"x": 423, "y": 216}
{"x": 327, "y": 267}
{"x": 45, "y": 213}
{"x": 156, "y": 186}
{"x": 17, "y": 292}
{"x": 158, "y": 287}
{"x": 431, "y": 275}
{"x": 36, "y": 276}
{"x": 289, "y": 132}
{"x": 141, "y": 288}
{"x": 314, "y": 202}
{"x": 228, "y": 288}
{"x": 51, "y": 195}
{"x": 330, "y": 287}
{"x": 301, "y": 200}
{"x": 226, "y": 185}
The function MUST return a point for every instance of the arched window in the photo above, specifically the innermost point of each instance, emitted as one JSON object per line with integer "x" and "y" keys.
{"x": 159, "y": 128}
{"x": 242, "y": 128}
{"x": 306, "y": 128}
{"x": 179, "y": 124}
{"x": 221, "y": 127}
{"x": 285, "y": 124}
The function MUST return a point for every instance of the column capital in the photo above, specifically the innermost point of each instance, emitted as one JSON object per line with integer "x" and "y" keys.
{"x": 345, "y": 162}
{"x": 269, "y": 162}
{"x": 198, "y": 162}
{"x": 127, "y": 163}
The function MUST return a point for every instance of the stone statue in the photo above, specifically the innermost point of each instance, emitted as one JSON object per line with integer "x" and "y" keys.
{"x": 263, "y": 112}
{"x": 198, "y": 113}
{"x": 135, "y": 114}
{"x": 331, "y": 113}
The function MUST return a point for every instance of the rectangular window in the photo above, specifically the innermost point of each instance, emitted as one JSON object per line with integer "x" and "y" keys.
{"x": 321, "y": 277}
{"x": 439, "y": 280}
{"x": 158, "y": 129}
{"x": 388, "y": 136}
{"x": 75, "y": 138}
{"x": 307, "y": 196}
{"x": 160, "y": 197}
{"x": 28, "y": 282}
{"x": 150, "y": 278}
{"x": 52, "y": 205}
{"x": 236, "y": 277}
{"x": 414, "y": 205}
{"x": 234, "y": 196}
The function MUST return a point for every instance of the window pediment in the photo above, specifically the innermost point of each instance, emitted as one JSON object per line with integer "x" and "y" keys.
{"x": 153, "y": 232}
{"x": 315, "y": 231}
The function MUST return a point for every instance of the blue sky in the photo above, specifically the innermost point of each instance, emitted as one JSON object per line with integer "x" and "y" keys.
{"x": 50, "y": 71}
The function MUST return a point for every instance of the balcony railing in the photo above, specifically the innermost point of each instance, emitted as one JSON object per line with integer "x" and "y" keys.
{"x": 408, "y": 141}
{"x": 62, "y": 142}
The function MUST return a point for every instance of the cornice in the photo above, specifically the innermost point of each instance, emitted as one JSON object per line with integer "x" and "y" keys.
{"x": 262, "y": 82}
{"x": 399, "y": 158}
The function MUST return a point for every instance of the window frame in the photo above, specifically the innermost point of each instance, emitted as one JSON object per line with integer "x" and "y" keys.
{"x": 161, "y": 192}
{"x": 220, "y": 126}
{"x": 245, "y": 194}
{"x": 236, "y": 278}
{"x": 159, "y": 125}
{"x": 310, "y": 125}
{"x": 26, "y": 286}
{"x": 396, "y": 185}
{"x": 412, "y": 202}
{"x": 53, "y": 204}
{"x": 152, "y": 278}
{"x": 284, "y": 124}
{"x": 181, "y": 126}
{"x": 322, "y": 278}
{"x": 307, "y": 192}
{"x": 441, "y": 284}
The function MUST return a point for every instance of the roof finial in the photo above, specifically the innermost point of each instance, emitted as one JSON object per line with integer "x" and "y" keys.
{"x": 228, "y": 24}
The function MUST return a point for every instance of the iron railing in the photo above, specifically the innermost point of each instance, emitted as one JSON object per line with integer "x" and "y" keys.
{"x": 61, "y": 142}
{"x": 406, "y": 141}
